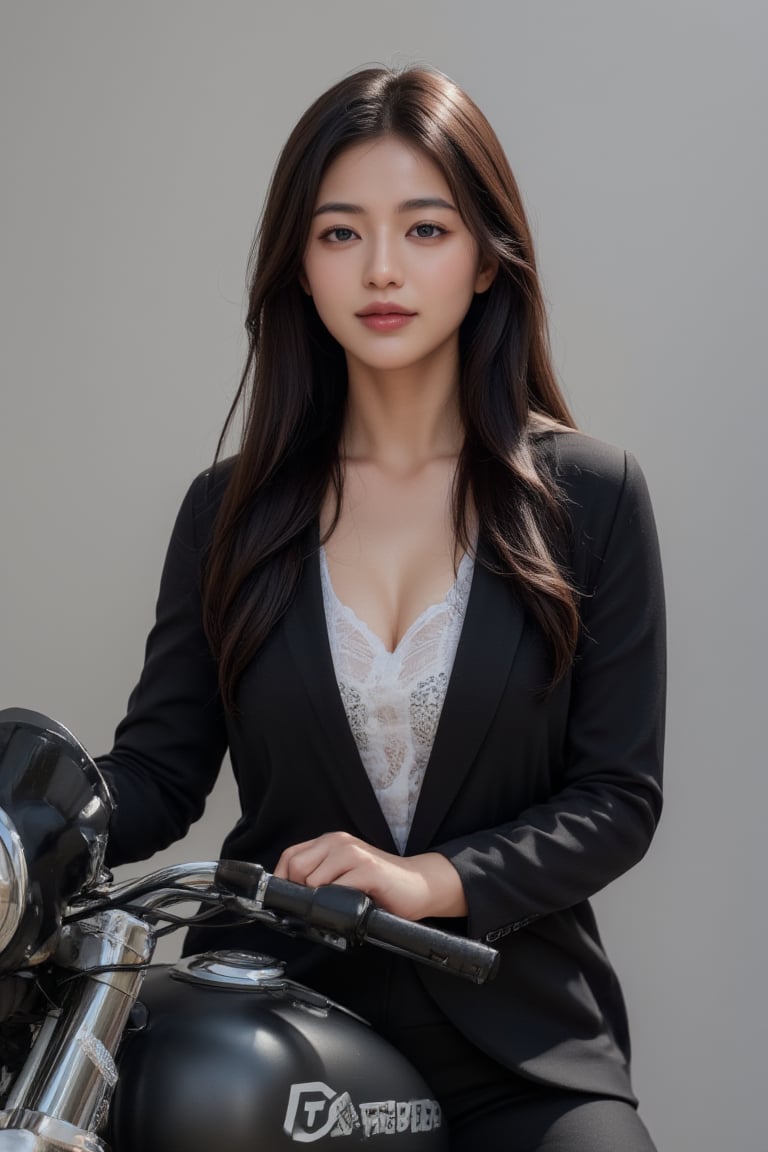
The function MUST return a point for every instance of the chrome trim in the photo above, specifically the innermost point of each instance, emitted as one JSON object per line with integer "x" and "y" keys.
{"x": 26, "y": 1077}
{"x": 261, "y": 890}
{"x": 23, "y": 1130}
{"x": 109, "y": 937}
{"x": 193, "y": 876}
{"x": 231, "y": 970}
{"x": 14, "y": 887}
{"x": 72, "y": 1079}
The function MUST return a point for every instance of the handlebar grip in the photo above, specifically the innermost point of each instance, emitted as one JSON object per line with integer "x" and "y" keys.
{"x": 456, "y": 954}
{"x": 330, "y": 907}
{"x": 352, "y": 915}
{"x": 287, "y": 897}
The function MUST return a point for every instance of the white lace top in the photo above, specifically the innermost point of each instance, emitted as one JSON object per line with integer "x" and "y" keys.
{"x": 393, "y": 700}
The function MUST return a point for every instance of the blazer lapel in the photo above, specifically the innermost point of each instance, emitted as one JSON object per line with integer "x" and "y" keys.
{"x": 307, "y": 637}
{"x": 489, "y": 639}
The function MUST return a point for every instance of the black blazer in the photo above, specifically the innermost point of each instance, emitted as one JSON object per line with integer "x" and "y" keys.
{"x": 539, "y": 801}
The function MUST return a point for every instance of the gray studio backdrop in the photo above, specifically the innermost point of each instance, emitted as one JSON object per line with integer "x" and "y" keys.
{"x": 137, "y": 142}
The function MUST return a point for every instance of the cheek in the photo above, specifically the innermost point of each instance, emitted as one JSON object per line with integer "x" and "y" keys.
{"x": 455, "y": 273}
{"x": 324, "y": 279}
{"x": 329, "y": 316}
{"x": 328, "y": 297}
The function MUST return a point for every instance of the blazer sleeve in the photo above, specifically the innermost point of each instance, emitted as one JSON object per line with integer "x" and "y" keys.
{"x": 601, "y": 820}
{"x": 169, "y": 748}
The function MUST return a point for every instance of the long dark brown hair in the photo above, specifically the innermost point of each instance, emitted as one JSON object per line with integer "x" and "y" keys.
{"x": 294, "y": 385}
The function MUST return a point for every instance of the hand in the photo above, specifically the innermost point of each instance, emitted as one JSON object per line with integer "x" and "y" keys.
{"x": 408, "y": 886}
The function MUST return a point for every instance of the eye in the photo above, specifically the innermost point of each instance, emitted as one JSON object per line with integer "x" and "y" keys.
{"x": 337, "y": 235}
{"x": 428, "y": 231}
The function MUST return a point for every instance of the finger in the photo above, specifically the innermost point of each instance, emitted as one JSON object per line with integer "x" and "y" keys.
{"x": 336, "y": 857}
{"x": 352, "y": 878}
{"x": 324, "y": 859}
{"x": 287, "y": 866}
{"x": 335, "y": 871}
{"x": 354, "y": 866}
{"x": 303, "y": 863}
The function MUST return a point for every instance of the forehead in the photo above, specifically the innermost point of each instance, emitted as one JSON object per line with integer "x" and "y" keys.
{"x": 383, "y": 169}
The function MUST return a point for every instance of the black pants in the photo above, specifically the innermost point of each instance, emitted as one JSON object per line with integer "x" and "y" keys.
{"x": 560, "y": 1124}
{"x": 487, "y": 1107}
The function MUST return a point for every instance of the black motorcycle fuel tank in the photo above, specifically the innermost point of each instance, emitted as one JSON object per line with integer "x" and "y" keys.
{"x": 234, "y": 1057}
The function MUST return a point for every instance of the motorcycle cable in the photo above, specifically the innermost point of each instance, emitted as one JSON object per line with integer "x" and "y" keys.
{"x": 119, "y": 902}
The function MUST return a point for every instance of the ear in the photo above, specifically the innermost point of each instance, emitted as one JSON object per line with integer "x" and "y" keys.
{"x": 486, "y": 275}
{"x": 304, "y": 283}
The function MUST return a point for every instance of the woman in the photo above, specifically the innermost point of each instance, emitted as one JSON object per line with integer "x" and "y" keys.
{"x": 424, "y": 614}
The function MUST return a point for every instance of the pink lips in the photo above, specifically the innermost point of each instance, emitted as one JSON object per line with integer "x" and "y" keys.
{"x": 385, "y": 317}
{"x": 386, "y": 321}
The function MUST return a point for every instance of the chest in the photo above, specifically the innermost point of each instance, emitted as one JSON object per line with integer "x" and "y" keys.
{"x": 392, "y": 552}
{"x": 495, "y": 748}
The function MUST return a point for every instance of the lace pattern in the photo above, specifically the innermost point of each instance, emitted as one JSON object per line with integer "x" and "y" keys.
{"x": 393, "y": 700}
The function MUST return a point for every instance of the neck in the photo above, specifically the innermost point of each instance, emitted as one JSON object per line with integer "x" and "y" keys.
{"x": 402, "y": 419}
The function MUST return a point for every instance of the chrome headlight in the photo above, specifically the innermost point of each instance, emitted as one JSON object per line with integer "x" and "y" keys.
{"x": 54, "y": 815}
{"x": 14, "y": 880}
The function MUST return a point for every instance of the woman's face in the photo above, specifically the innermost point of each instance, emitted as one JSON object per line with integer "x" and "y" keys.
{"x": 386, "y": 231}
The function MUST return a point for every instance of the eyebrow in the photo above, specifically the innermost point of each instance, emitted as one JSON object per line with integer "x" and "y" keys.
{"x": 404, "y": 206}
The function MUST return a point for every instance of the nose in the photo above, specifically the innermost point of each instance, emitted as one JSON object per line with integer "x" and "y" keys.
{"x": 383, "y": 265}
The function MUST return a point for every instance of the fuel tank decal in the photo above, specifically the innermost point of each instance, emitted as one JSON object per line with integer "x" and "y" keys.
{"x": 315, "y": 1110}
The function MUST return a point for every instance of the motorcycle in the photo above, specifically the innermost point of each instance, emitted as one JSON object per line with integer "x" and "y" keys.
{"x": 100, "y": 1048}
